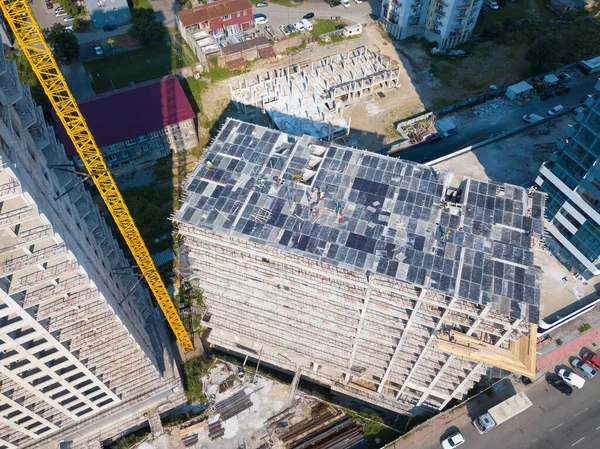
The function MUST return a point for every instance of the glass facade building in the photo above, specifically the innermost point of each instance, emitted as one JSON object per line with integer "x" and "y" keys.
{"x": 571, "y": 178}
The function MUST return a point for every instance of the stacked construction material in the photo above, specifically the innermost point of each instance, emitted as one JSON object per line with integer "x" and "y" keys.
{"x": 327, "y": 428}
{"x": 215, "y": 430}
{"x": 234, "y": 404}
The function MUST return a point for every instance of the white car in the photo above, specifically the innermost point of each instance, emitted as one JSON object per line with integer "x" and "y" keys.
{"x": 532, "y": 118}
{"x": 284, "y": 30}
{"x": 583, "y": 368}
{"x": 453, "y": 441}
{"x": 99, "y": 51}
{"x": 299, "y": 26}
{"x": 261, "y": 21}
{"x": 69, "y": 28}
{"x": 346, "y": 3}
{"x": 556, "y": 109}
{"x": 571, "y": 378}
{"x": 60, "y": 13}
{"x": 69, "y": 19}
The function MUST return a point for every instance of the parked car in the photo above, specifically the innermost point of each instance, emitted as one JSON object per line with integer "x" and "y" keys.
{"x": 334, "y": 4}
{"x": 99, "y": 51}
{"x": 358, "y": 2}
{"x": 453, "y": 441}
{"x": 374, "y": 16}
{"x": 451, "y": 132}
{"x": 532, "y": 118}
{"x": 562, "y": 90}
{"x": 571, "y": 378}
{"x": 59, "y": 13}
{"x": 492, "y": 4}
{"x": 299, "y": 26}
{"x": 592, "y": 359}
{"x": 284, "y": 30}
{"x": 585, "y": 369}
{"x": 49, "y": 5}
{"x": 556, "y": 109}
{"x": 261, "y": 21}
{"x": 69, "y": 29}
{"x": 559, "y": 384}
{"x": 308, "y": 16}
{"x": 431, "y": 138}
{"x": 69, "y": 19}
{"x": 292, "y": 28}
{"x": 261, "y": 4}
{"x": 58, "y": 9}
{"x": 109, "y": 27}
{"x": 340, "y": 26}
{"x": 257, "y": 16}
{"x": 346, "y": 3}
{"x": 546, "y": 95}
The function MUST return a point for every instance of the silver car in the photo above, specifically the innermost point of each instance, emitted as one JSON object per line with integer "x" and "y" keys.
{"x": 583, "y": 368}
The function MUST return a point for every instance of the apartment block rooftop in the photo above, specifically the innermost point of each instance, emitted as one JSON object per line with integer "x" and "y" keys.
{"x": 371, "y": 214}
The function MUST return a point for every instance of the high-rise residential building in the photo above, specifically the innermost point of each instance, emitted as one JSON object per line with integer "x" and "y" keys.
{"x": 360, "y": 271}
{"x": 83, "y": 352}
{"x": 571, "y": 178}
{"x": 447, "y": 22}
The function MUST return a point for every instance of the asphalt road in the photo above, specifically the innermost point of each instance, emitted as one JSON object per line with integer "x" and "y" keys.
{"x": 479, "y": 128}
{"x": 553, "y": 421}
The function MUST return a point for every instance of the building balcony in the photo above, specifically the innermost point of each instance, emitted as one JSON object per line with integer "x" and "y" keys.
{"x": 29, "y": 280}
{"x": 464, "y": 6}
{"x": 16, "y": 216}
{"x": 440, "y": 12}
{"x": 10, "y": 188}
{"x": 39, "y": 131}
{"x": 10, "y": 84}
{"x": 25, "y": 108}
{"x": 22, "y": 262}
{"x": 443, "y": 3}
{"x": 28, "y": 237}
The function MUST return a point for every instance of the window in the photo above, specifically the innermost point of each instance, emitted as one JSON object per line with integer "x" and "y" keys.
{"x": 175, "y": 138}
{"x": 111, "y": 158}
{"x": 245, "y": 12}
{"x": 169, "y": 140}
{"x": 112, "y": 147}
{"x": 129, "y": 142}
{"x": 227, "y": 17}
{"x": 162, "y": 132}
{"x": 141, "y": 138}
{"x": 153, "y": 135}
{"x": 187, "y": 134}
{"x": 238, "y": 14}
{"x": 124, "y": 154}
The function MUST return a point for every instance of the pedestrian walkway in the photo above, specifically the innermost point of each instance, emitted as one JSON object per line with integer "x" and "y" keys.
{"x": 566, "y": 349}
{"x": 433, "y": 425}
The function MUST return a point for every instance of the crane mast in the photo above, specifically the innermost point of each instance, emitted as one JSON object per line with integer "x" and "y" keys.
{"x": 29, "y": 36}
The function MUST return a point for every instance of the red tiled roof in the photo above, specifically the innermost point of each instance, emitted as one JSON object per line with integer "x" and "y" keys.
{"x": 210, "y": 11}
{"x": 130, "y": 112}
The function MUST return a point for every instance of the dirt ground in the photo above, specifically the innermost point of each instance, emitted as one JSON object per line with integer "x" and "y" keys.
{"x": 371, "y": 119}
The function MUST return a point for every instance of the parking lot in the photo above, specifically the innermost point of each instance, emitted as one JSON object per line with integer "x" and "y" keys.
{"x": 280, "y": 15}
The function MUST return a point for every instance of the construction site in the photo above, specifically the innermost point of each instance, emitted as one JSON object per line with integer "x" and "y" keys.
{"x": 309, "y": 98}
{"x": 361, "y": 272}
{"x": 248, "y": 410}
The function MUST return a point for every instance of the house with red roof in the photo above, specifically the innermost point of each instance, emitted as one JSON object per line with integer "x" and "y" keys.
{"x": 221, "y": 17}
{"x": 137, "y": 125}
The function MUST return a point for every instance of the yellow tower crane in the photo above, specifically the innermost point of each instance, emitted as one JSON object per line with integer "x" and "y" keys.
{"x": 29, "y": 36}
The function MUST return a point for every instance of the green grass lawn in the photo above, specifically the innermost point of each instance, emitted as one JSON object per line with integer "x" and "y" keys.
{"x": 525, "y": 9}
{"x": 113, "y": 72}
{"x": 322, "y": 26}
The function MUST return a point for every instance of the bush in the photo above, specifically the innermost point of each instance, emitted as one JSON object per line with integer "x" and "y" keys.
{"x": 63, "y": 43}
{"x": 71, "y": 8}
{"x": 145, "y": 27}
{"x": 193, "y": 372}
{"x": 559, "y": 342}
{"x": 546, "y": 52}
{"x": 586, "y": 327}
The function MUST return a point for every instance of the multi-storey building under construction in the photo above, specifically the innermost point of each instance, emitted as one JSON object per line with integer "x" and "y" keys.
{"x": 83, "y": 354}
{"x": 360, "y": 271}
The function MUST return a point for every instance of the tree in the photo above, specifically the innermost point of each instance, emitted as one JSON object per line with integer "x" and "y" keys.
{"x": 493, "y": 30}
{"x": 546, "y": 52}
{"x": 63, "y": 43}
{"x": 71, "y": 8}
{"x": 145, "y": 27}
